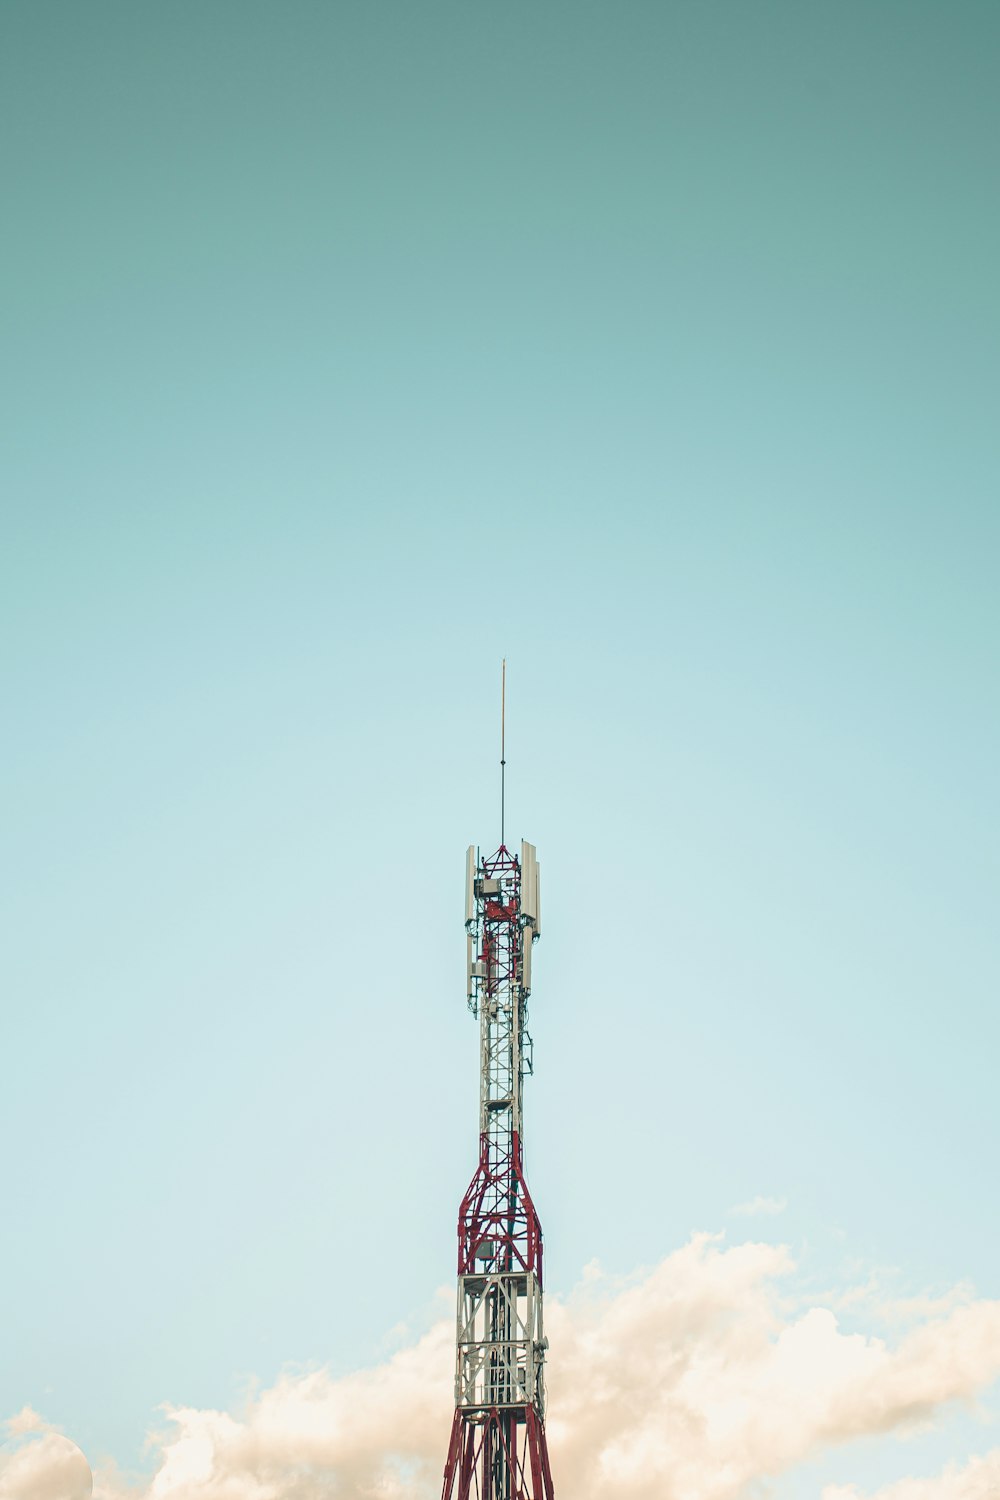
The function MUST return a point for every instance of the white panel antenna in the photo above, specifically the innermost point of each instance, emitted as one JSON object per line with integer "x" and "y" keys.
{"x": 470, "y": 885}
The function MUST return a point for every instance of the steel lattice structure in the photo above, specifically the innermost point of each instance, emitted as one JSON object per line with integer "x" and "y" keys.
{"x": 498, "y": 1449}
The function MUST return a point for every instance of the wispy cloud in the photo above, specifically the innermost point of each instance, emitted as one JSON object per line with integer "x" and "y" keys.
{"x": 760, "y": 1205}
{"x": 977, "y": 1480}
{"x": 693, "y": 1381}
{"x": 27, "y": 1421}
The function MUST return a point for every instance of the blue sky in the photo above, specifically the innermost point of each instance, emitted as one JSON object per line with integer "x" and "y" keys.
{"x": 347, "y": 349}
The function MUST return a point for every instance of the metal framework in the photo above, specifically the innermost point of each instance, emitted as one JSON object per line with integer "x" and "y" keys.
{"x": 498, "y": 1449}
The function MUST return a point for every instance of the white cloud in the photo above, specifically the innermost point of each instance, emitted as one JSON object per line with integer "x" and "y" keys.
{"x": 692, "y": 1381}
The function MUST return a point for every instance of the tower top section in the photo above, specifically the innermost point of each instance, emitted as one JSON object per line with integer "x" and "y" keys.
{"x": 502, "y": 893}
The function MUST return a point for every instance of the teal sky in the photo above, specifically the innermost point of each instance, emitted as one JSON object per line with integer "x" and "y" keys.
{"x": 347, "y": 348}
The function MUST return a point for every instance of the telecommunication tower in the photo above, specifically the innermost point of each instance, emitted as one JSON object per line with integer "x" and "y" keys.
{"x": 498, "y": 1449}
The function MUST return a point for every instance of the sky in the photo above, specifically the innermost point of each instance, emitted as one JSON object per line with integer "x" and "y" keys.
{"x": 345, "y": 350}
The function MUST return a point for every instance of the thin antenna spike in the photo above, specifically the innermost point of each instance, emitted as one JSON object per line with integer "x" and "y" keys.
{"x": 503, "y": 744}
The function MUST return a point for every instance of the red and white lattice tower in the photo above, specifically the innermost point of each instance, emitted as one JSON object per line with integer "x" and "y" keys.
{"x": 498, "y": 1449}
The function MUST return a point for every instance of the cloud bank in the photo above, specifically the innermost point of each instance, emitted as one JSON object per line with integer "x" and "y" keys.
{"x": 693, "y": 1381}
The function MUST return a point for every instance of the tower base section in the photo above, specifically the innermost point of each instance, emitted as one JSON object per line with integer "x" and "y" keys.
{"x": 498, "y": 1454}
